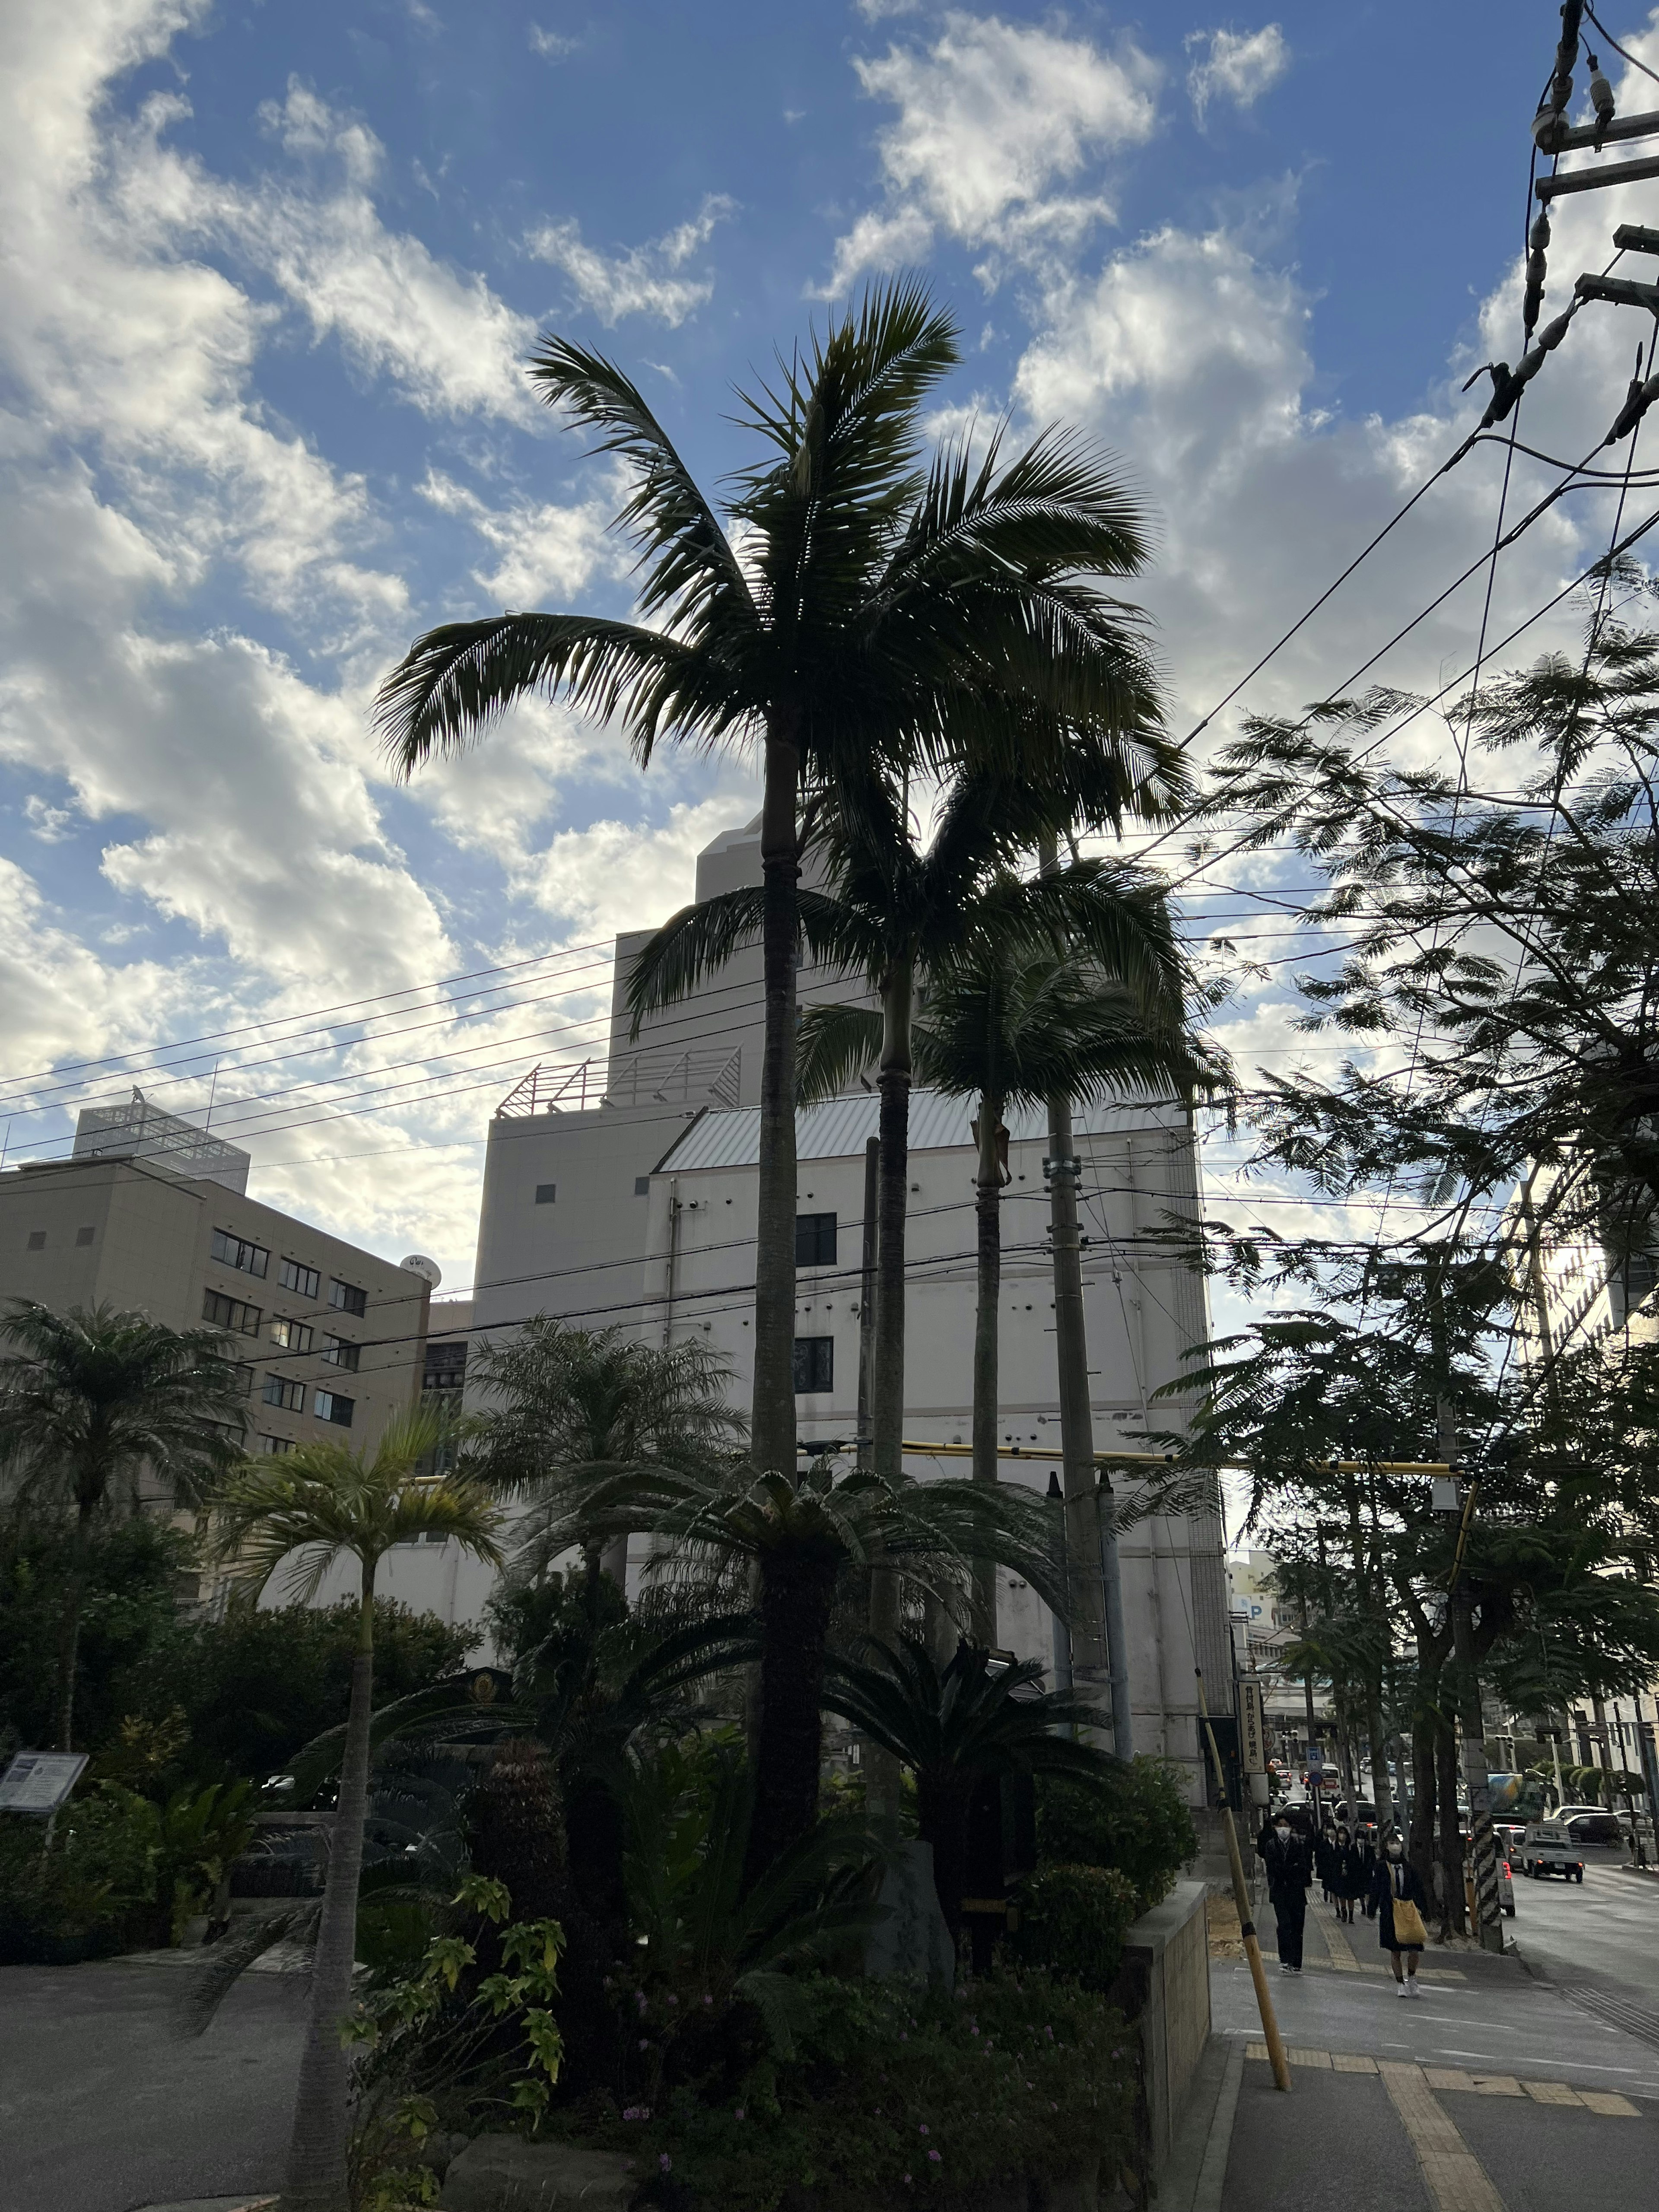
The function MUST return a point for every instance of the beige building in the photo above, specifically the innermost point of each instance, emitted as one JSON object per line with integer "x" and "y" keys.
{"x": 331, "y": 1340}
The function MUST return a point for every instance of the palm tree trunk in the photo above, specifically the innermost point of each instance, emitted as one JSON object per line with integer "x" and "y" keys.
{"x": 772, "y": 1417}
{"x": 942, "y": 1803}
{"x": 987, "y": 1205}
{"x": 795, "y": 1599}
{"x": 69, "y": 1627}
{"x": 316, "y": 2179}
{"x": 894, "y": 1084}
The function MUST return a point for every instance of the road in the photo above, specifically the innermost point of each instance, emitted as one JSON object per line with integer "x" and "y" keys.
{"x": 1607, "y": 1931}
{"x": 101, "y": 2110}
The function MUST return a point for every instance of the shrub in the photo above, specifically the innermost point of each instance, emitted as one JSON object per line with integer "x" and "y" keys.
{"x": 1134, "y": 1819}
{"x": 898, "y": 2095}
{"x": 1071, "y": 1920}
{"x": 82, "y": 1898}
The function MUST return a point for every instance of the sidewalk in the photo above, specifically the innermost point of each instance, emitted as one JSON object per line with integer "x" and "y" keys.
{"x": 1490, "y": 2093}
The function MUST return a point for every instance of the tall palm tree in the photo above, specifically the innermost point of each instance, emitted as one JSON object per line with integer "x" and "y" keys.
{"x": 93, "y": 1400}
{"x": 1011, "y": 1020}
{"x": 879, "y": 615}
{"x": 800, "y": 1537}
{"x": 308, "y": 1509}
{"x": 954, "y": 1726}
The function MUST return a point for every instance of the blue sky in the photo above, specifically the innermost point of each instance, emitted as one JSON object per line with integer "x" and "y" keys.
{"x": 272, "y": 272}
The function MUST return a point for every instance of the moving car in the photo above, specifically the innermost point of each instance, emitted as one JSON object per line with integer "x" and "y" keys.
{"x": 1590, "y": 1824}
{"x": 1548, "y": 1849}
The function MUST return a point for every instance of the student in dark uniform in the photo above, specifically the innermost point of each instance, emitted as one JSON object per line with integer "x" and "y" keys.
{"x": 1348, "y": 1874}
{"x": 1288, "y": 1858}
{"x": 1395, "y": 1885}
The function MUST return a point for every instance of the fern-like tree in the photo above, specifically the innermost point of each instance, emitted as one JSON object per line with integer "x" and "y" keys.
{"x": 800, "y": 1538}
{"x": 1010, "y": 1019}
{"x": 881, "y": 614}
{"x": 303, "y": 1512}
{"x": 92, "y": 1402}
{"x": 577, "y": 1404}
{"x": 955, "y": 1727}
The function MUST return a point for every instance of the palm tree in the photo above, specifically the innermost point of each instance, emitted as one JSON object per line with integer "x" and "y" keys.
{"x": 953, "y": 1728}
{"x": 879, "y": 617}
{"x": 1011, "y": 1020}
{"x": 800, "y": 1537}
{"x": 586, "y": 1403}
{"x": 93, "y": 1400}
{"x": 320, "y": 1502}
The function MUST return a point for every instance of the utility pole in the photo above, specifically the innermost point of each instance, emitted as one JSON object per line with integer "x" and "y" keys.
{"x": 1482, "y": 1842}
{"x": 1094, "y": 1568}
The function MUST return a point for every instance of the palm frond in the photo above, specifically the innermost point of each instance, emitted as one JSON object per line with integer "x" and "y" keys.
{"x": 689, "y": 562}
{"x": 834, "y": 1046}
{"x": 456, "y": 681}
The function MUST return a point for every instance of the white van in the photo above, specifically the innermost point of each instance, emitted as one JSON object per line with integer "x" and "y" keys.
{"x": 1548, "y": 1847}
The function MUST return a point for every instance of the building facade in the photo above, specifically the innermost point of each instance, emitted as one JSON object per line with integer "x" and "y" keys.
{"x": 330, "y": 1338}
{"x": 633, "y": 1205}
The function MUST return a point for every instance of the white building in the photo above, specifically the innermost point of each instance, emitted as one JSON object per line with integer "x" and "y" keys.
{"x": 636, "y": 1205}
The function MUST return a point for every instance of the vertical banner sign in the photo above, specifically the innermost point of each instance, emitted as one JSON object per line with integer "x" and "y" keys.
{"x": 1252, "y": 1727}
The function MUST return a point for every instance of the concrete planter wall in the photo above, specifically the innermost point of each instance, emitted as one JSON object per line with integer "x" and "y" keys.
{"x": 1164, "y": 1987}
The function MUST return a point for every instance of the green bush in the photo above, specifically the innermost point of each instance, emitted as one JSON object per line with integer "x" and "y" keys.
{"x": 1071, "y": 1920}
{"x": 87, "y": 1894}
{"x": 1135, "y": 1819}
{"x": 897, "y": 2095}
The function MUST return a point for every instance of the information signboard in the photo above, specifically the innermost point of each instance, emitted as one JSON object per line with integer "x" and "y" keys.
{"x": 39, "y": 1781}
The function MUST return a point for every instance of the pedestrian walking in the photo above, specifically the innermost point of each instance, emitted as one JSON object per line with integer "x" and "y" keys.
{"x": 1365, "y": 1844}
{"x": 1288, "y": 1858}
{"x": 1325, "y": 1859}
{"x": 1348, "y": 1872}
{"x": 1401, "y": 1903}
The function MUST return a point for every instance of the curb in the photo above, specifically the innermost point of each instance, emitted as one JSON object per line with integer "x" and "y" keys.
{"x": 1213, "y": 2174}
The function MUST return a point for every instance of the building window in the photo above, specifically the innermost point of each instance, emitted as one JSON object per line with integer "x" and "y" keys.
{"x": 85, "y": 1236}
{"x": 291, "y": 1396}
{"x": 642, "y": 1186}
{"x": 815, "y": 1364}
{"x": 329, "y": 1406}
{"x": 815, "y": 1240}
{"x": 236, "y": 1252}
{"x": 445, "y": 1367}
{"x": 303, "y": 1281}
{"x": 340, "y": 1352}
{"x": 230, "y": 1313}
{"x": 546, "y": 1193}
{"x": 37, "y": 1240}
{"x": 346, "y": 1297}
{"x": 276, "y": 1445}
{"x": 292, "y": 1335}
{"x": 245, "y": 1377}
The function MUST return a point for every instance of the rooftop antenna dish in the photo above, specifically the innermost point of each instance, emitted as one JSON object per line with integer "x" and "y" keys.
{"x": 427, "y": 1270}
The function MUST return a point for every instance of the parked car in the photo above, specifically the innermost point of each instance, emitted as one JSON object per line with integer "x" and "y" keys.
{"x": 1547, "y": 1849}
{"x": 1590, "y": 1824}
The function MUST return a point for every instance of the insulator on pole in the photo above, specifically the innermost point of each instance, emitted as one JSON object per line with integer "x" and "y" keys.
{"x": 1638, "y": 400}
{"x": 1537, "y": 240}
{"x": 1601, "y": 92}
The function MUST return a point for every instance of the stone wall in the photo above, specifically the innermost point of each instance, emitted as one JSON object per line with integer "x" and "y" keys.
{"x": 1165, "y": 1988}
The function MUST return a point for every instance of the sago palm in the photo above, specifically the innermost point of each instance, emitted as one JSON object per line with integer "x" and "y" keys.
{"x": 801, "y": 1536}
{"x": 1012, "y": 1020}
{"x": 308, "y": 1509}
{"x": 956, "y": 1726}
{"x": 91, "y": 1401}
{"x": 880, "y": 615}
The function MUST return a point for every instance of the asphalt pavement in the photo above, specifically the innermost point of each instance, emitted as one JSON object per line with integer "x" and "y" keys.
{"x": 103, "y": 2109}
{"x": 1512, "y": 2084}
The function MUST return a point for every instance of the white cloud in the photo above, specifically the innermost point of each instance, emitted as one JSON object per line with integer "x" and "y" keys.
{"x": 644, "y": 280}
{"x": 1234, "y": 65}
{"x": 551, "y": 46}
{"x": 990, "y": 116}
{"x": 545, "y": 550}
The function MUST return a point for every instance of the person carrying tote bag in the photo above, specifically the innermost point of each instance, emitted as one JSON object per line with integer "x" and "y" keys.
{"x": 1400, "y": 1901}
